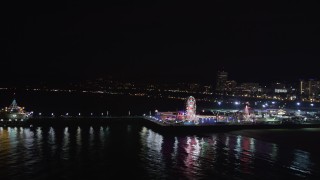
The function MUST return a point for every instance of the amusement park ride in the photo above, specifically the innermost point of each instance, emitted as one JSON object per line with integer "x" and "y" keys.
{"x": 191, "y": 109}
{"x": 189, "y": 115}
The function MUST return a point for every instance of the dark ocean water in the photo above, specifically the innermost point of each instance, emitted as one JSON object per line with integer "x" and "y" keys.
{"x": 135, "y": 151}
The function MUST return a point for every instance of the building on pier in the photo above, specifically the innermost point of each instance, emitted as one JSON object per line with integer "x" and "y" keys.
{"x": 14, "y": 112}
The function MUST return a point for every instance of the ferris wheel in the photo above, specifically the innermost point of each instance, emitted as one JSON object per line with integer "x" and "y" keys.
{"x": 191, "y": 108}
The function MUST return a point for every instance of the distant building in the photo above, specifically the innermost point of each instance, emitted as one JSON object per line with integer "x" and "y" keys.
{"x": 250, "y": 87}
{"x": 279, "y": 88}
{"x": 314, "y": 89}
{"x": 207, "y": 89}
{"x": 222, "y": 78}
{"x": 309, "y": 89}
{"x": 230, "y": 85}
{"x": 302, "y": 87}
{"x": 194, "y": 87}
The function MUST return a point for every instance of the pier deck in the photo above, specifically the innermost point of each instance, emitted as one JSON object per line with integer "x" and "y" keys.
{"x": 146, "y": 121}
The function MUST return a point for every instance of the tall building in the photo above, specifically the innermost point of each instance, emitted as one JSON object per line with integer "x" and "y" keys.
{"x": 302, "y": 87}
{"x": 314, "y": 88}
{"x": 222, "y": 78}
{"x": 309, "y": 89}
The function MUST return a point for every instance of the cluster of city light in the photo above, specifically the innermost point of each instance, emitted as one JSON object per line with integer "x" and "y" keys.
{"x": 149, "y": 92}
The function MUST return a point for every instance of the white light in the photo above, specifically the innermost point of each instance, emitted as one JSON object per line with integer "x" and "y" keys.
{"x": 273, "y": 102}
{"x": 52, "y": 114}
{"x": 311, "y": 104}
{"x": 298, "y": 103}
{"x": 39, "y": 114}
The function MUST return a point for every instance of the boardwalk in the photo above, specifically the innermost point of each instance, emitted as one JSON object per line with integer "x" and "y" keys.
{"x": 145, "y": 121}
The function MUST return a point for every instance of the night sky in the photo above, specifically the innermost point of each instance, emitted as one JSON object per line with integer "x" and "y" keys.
{"x": 160, "y": 41}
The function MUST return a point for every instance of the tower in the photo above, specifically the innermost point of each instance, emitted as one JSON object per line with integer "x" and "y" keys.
{"x": 222, "y": 78}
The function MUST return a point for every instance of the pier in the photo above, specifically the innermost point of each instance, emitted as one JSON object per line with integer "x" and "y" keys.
{"x": 146, "y": 121}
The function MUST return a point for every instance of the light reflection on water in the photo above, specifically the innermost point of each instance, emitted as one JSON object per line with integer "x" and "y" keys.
{"x": 226, "y": 155}
{"x": 109, "y": 151}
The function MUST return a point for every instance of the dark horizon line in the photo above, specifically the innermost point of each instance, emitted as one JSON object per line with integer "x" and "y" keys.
{"x": 50, "y": 83}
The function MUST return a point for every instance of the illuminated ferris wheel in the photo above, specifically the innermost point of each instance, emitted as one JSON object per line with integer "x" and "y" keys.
{"x": 191, "y": 108}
